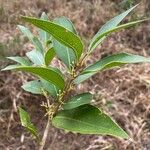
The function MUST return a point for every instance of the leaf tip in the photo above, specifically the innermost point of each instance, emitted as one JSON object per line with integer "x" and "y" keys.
{"x": 25, "y": 18}
{"x": 124, "y": 135}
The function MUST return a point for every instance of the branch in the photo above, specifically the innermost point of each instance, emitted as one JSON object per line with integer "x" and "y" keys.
{"x": 42, "y": 144}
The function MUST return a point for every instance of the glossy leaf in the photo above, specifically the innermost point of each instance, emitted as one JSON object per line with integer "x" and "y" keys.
{"x": 20, "y": 60}
{"x": 35, "y": 87}
{"x": 44, "y": 36}
{"x": 26, "y": 122}
{"x": 63, "y": 35}
{"x": 123, "y": 26}
{"x": 66, "y": 54}
{"x": 45, "y": 73}
{"x": 56, "y": 70}
{"x": 88, "y": 119}
{"x": 106, "y": 27}
{"x": 108, "y": 63}
{"x": 36, "y": 57}
{"x": 49, "y": 55}
{"x": 77, "y": 101}
{"x": 33, "y": 39}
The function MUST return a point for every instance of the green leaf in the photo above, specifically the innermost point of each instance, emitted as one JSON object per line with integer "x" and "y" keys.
{"x": 56, "y": 70}
{"x": 32, "y": 38}
{"x": 44, "y": 36}
{"x": 63, "y": 35}
{"x": 66, "y": 54}
{"x": 26, "y": 122}
{"x": 20, "y": 60}
{"x": 46, "y": 73}
{"x": 49, "y": 55}
{"x": 66, "y": 23}
{"x": 34, "y": 87}
{"x": 36, "y": 57}
{"x": 37, "y": 87}
{"x": 88, "y": 119}
{"x": 77, "y": 101}
{"x": 102, "y": 36}
{"x": 10, "y": 67}
{"x": 116, "y": 60}
{"x": 110, "y": 62}
{"x": 83, "y": 77}
{"x": 50, "y": 88}
{"x": 108, "y": 26}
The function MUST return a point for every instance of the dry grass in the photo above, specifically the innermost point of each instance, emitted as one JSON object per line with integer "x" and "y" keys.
{"x": 123, "y": 93}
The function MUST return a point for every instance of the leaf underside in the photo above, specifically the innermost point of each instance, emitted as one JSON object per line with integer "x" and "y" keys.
{"x": 109, "y": 62}
{"x": 26, "y": 122}
{"x": 65, "y": 53}
{"x": 34, "y": 87}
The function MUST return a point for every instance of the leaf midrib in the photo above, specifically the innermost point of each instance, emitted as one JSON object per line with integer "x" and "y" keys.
{"x": 66, "y": 43}
{"x": 61, "y": 117}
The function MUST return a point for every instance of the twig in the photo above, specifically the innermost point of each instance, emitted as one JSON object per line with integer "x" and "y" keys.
{"x": 60, "y": 101}
{"x": 42, "y": 144}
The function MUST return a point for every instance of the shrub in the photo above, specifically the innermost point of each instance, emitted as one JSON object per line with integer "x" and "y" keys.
{"x": 60, "y": 38}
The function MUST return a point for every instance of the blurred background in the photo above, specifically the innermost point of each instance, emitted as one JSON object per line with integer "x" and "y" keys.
{"x": 122, "y": 93}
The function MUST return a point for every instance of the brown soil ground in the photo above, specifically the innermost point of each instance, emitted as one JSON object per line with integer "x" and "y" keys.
{"x": 123, "y": 93}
